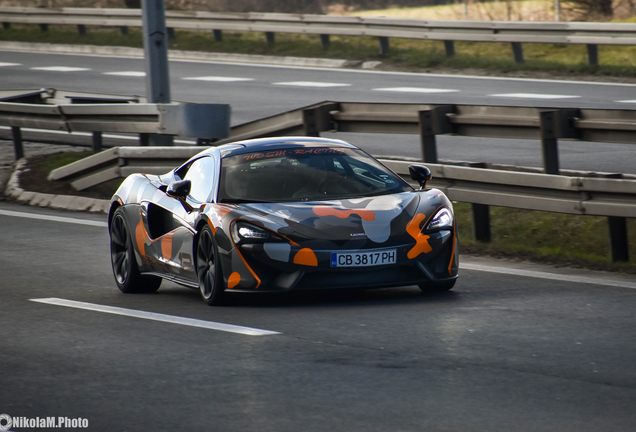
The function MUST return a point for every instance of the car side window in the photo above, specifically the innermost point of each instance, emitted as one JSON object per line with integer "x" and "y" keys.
{"x": 203, "y": 178}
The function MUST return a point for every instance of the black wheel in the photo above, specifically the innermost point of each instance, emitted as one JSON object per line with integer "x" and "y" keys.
{"x": 122, "y": 257}
{"x": 430, "y": 287}
{"x": 209, "y": 268}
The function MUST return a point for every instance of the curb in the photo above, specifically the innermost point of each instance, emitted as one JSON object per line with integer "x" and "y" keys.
{"x": 57, "y": 202}
{"x": 188, "y": 55}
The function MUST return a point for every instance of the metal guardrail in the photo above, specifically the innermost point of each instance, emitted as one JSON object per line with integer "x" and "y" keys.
{"x": 87, "y": 112}
{"x": 590, "y": 34}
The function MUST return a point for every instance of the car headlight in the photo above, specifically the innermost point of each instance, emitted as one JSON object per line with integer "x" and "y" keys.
{"x": 442, "y": 219}
{"x": 246, "y": 232}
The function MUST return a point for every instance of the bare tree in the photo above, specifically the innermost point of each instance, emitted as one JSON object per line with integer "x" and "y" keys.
{"x": 592, "y": 9}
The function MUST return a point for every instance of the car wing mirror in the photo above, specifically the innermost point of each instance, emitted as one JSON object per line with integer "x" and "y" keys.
{"x": 420, "y": 174}
{"x": 180, "y": 189}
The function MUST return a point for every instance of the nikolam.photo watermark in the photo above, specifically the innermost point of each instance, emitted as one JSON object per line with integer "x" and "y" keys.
{"x": 8, "y": 422}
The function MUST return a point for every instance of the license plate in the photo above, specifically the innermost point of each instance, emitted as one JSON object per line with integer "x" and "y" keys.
{"x": 363, "y": 259}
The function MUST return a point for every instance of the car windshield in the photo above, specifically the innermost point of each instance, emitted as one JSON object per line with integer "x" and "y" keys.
{"x": 305, "y": 174}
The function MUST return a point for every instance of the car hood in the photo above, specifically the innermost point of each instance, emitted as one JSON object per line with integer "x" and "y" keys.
{"x": 377, "y": 218}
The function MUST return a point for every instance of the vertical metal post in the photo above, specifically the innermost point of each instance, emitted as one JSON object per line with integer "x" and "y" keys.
{"x": 44, "y": 27}
{"x": 428, "y": 142}
{"x": 270, "y": 37}
{"x": 123, "y": 30}
{"x": 449, "y": 47}
{"x": 325, "y": 41}
{"x": 481, "y": 223}
{"x": 592, "y": 54}
{"x": 18, "y": 148}
{"x": 6, "y": 25}
{"x": 557, "y": 10}
{"x": 517, "y": 52}
{"x": 218, "y": 35}
{"x": 384, "y": 45}
{"x": 618, "y": 238}
{"x": 156, "y": 59}
{"x": 171, "y": 34}
{"x": 310, "y": 123}
{"x": 97, "y": 142}
{"x": 549, "y": 143}
{"x": 81, "y": 29}
{"x": 144, "y": 139}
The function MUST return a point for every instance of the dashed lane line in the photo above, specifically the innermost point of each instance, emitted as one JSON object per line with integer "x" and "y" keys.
{"x": 311, "y": 84}
{"x": 60, "y": 69}
{"x": 153, "y": 316}
{"x": 127, "y": 73}
{"x": 534, "y": 96}
{"x": 415, "y": 90}
{"x": 217, "y": 79}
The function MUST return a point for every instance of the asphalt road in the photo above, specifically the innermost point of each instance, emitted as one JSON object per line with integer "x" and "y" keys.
{"x": 501, "y": 352}
{"x": 258, "y": 91}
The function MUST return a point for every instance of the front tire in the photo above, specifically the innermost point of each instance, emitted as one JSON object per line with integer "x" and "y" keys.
{"x": 209, "y": 268}
{"x": 122, "y": 256}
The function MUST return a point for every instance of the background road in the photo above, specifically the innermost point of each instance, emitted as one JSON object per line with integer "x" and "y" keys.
{"x": 258, "y": 91}
{"x": 498, "y": 353}
{"x": 508, "y": 349}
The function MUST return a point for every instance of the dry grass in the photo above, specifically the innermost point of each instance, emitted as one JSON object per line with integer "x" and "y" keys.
{"x": 518, "y": 10}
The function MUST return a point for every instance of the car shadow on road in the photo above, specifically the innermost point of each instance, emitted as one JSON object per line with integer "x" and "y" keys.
{"x": 324, "y": 297}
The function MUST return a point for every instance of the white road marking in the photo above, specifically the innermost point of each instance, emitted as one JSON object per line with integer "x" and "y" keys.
{"x": 550, "y": 276}
{"x": 534, "y": 96}
{"x": 633, "y": 101}
{"x": 217, "y": 79}
{"x": 127, "y": 73}
{"x": 53, "y": 218}
{"x": 415, "y": 90}
{"x": 9, "y": 64}
{"x": 248, "y": 331}
{"x": 60, "y": 69}
{"x": 311, "y": 84}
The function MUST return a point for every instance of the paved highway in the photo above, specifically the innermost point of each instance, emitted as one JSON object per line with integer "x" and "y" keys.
{"x": 501, "y": 352}
{"x": 258, "y": 91}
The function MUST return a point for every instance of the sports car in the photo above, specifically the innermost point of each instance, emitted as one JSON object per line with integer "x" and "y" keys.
{"x": 280, "y": 214}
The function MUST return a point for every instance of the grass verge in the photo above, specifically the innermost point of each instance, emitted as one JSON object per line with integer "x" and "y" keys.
{"x": 549, "y": 238}
{"x": 404, "y": 54}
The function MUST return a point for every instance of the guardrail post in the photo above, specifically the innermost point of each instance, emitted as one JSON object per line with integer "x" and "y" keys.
{"x": 325, "y": 41}
{"x": 618, "y": 238}
{"x": 427, "y": 137}
{"x": 144, "y": 139}
{"x": 517, "y": 52}
{"x": 270, "y": 37}
{"x": 481, "y": 223}
{"x": 549, "y": 143}
{"x": 123, "y": 30}
{"x": 44, "y": 27}
{"x": 218, "y": 35}
{"x": 554, "y": 125}
{"x": 171, "y": 34}
{"x": 449, "y": 47}
{"x": 384, "y": 45}
{"x": 97, "y": 142}
{"x": 81, "y": 29}
{"x": 6, "y": 25}
{"x": 316, "y": 120}
{"x": 592, "y": 54}
{"x": 18, "y": 148}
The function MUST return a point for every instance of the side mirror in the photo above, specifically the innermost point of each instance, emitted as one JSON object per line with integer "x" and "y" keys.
{"x": 179, "y": 189}
{"x": 420, "y": 174}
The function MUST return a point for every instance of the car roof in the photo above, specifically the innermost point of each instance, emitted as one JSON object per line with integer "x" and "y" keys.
{"x": 263, "y": 144}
